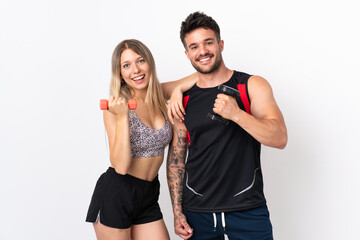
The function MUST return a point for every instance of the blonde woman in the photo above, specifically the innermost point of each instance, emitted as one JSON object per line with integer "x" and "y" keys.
{"x": 124, "y": 204}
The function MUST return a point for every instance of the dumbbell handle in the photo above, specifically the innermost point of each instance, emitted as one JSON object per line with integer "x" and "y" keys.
{"x": 229, "y": 90}
{"x": 105, "y": 106}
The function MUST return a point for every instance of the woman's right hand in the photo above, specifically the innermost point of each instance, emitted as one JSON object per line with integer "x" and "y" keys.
{"x": 118, "y": 106}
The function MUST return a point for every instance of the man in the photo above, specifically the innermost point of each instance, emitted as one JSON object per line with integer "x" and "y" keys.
{"x": 220, "y": 188}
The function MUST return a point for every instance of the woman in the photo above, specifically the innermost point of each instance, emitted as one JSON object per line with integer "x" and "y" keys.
{"x": 125, "y": 200}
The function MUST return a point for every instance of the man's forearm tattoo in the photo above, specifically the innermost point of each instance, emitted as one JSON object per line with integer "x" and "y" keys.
{"x": 175, "y": 168}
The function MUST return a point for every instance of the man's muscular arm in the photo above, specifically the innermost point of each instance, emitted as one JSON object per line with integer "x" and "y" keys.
{"x": 175, "y": 168}
{"x": 266, "y": 124}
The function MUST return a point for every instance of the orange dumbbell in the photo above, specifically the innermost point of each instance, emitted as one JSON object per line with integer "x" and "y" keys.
{"x": 131, "y": 104}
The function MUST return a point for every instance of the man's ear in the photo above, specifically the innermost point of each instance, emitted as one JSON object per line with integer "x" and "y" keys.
{"x": 187, "y": 54}
{"x": 221, "y": 43}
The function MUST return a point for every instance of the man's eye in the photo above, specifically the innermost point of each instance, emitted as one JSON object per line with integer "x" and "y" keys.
{"x": 209, "y": 43}
{"x": 193, "y": 48}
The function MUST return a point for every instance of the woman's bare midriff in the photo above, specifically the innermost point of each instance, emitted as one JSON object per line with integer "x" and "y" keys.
{"x": 145, "y": 168}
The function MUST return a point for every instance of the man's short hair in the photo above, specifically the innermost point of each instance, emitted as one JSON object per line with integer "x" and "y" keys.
{"x": 198, "y": 20}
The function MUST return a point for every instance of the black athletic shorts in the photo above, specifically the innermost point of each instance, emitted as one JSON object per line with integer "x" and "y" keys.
{"x": 120, "y": 201}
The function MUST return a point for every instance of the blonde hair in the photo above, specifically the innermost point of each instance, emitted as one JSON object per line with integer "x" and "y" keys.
{"x": 118, "y": 87}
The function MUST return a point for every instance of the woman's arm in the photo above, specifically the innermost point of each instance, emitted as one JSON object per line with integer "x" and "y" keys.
{"x": 184, "y": 84}
{"x": 175, "y": 89}
{"x": 116, "y": 121}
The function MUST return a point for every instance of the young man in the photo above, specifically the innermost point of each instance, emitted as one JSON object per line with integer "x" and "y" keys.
{"x": 220, "y": 188}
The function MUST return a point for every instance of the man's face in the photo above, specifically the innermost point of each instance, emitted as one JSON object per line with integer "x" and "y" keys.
{"x": 203, "y": 50}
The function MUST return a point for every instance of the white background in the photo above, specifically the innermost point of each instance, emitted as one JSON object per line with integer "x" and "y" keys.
{"x": 55, "y": 66}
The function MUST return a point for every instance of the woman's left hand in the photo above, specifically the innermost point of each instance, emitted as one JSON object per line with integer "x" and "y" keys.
{"x": 175, "y": 105}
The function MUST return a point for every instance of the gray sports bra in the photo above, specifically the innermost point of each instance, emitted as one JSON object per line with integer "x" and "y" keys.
{"x": 145, "y": 141}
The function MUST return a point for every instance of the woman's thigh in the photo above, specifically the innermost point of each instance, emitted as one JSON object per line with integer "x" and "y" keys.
{"x": 150, "y": 231}
{"x": 108, "y": 233}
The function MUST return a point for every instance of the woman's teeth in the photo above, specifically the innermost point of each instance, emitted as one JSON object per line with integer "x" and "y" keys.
{"x": 139, "y": 78}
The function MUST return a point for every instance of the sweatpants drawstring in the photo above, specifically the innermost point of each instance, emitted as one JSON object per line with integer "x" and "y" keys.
{"x": 214, "y": 215}
{"x": 222, "y": 221}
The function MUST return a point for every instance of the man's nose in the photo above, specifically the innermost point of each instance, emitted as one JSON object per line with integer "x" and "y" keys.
{"x": 203, "y": 49}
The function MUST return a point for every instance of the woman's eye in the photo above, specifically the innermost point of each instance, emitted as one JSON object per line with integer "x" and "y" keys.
{"x": 125, "y": 65}
{"x": 141, "y": 61}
